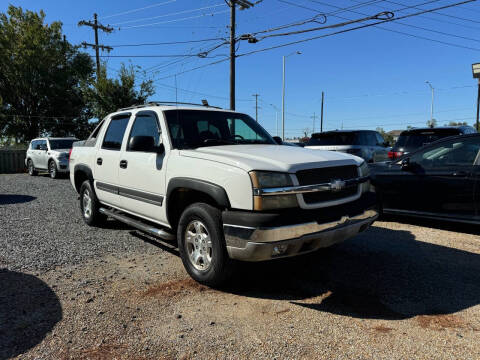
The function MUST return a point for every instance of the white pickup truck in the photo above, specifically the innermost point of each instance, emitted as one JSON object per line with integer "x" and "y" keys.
{"x": 220, "y": 184}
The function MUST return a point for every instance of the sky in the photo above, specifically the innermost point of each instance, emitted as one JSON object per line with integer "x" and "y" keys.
{"x": 372, "y": 77}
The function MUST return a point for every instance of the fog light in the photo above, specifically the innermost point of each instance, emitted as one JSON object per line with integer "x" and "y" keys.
{"x": 279, "y": 250}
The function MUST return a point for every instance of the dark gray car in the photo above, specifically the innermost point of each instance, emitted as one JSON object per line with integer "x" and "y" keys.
{"x": 367, "y": 144}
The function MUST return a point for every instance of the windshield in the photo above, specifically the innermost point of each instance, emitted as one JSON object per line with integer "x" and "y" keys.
{"x": 335, "y": 138}
{"x": 195, "y": 128}
{"x": 61, "y": 144}
{"x": 416, "y": 140}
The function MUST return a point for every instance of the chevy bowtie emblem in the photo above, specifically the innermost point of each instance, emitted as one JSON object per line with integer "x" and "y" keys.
{"x": 337, "y": 185}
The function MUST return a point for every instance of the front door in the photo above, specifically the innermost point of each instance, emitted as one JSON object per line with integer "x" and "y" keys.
{"x": 42, "y": 155}
{"x": 446, "y": 177}
{"x": 142, "y": 173}
{"x": 107, "y": 160}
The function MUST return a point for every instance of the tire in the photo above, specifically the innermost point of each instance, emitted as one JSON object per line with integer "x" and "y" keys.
{"x": 205, "y": 243}
{"x": 52, "y": 169}
{"x": 31, "y": 168}
{"x": 89, "y": 205}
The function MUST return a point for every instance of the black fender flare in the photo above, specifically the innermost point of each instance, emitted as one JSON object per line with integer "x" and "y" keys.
{"x": 216, "y": 192}
{"x": 84, "y": 169}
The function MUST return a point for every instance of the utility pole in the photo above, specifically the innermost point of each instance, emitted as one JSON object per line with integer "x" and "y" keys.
{"x": 95, "y": 26}
{"x": 232, "y": 54}
{"x": 256, "y": 106}
{"x": 478, "y": 105}
{"x": 321, "y": 115}
{"x": 313, "y": 117}
{"x": 244, "y": 4}
{"x": 431, "y": 107}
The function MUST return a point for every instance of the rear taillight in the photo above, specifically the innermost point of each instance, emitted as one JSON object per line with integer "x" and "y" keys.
{"x": 69, "y": 153}
{"x": 394, "y": 154}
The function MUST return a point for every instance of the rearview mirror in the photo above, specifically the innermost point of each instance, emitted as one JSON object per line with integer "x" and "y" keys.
{"x": 278, "y": 140}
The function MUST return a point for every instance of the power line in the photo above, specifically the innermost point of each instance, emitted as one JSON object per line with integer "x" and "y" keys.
{"x": 170, "y": 14}
{"x": 172, "y": 21}
{"x": 169, "y": 43}
{"x": 139, "y": 9}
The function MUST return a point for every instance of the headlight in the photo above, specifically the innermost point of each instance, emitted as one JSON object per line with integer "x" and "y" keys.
{"x": 264, "y": 180}
{"x": 365, "y": 171}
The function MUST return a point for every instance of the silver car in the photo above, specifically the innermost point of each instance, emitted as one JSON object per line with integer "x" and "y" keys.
{"x": 367, "y": 144}
{"x": 49, "y": 154}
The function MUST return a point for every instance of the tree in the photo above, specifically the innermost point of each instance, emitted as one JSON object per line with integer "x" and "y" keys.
{"x": 388, "y": 137}
{"x": 432, "y": 123}
{"x": 40, "y": 78}
{"x": 108, "y": 95}
{"x": 453, "y": 123}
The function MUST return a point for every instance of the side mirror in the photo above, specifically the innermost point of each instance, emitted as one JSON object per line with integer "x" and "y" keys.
{"x": 142, "y": 143}
{"x": 386, "y": 144}
{"x": 278, "y": 140}
{"x": 406, "y": 165}
{"x": 160, "y": 149}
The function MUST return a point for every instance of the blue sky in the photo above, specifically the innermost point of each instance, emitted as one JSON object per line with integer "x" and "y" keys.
{"x": 371, "y": 77}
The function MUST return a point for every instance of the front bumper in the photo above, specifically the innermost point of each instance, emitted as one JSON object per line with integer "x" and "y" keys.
{"x": 260, "y": 242}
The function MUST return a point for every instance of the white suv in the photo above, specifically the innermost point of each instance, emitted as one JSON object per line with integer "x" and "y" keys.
{"x": 49, "y": 154}
{"x": 219, "y": 183}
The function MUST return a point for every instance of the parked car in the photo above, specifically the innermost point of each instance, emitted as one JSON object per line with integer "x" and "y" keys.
{"x": 410, "y": 140}
{"x": 367, "y": 144}
{"x": 49, "y": 154}
{"x": 219, "y": 183}
{"x": 439, "y": 180}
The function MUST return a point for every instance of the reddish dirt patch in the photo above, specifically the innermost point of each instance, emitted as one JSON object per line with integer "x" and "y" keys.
{"x": 440, "y": 322}
{"x": 382, "y": 329}
{"x": 173, "y": 288}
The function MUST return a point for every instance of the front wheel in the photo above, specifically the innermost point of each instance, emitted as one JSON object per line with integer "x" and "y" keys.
{"x": 202, "y": 245}
{"x": 89, "y": 205}
{"x": 31, "y": 168}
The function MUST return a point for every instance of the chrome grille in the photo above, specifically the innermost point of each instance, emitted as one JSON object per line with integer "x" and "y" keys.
{"x": 324, "y": 175}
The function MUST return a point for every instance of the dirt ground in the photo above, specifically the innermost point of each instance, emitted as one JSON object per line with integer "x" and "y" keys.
{"x": 401, "y": 290}
{"x": 386, "y": 294}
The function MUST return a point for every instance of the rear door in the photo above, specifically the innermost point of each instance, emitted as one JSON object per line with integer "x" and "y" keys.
{"x": 447, "y": 179}
{"x": 42, "y": 155}
{"x": 107, "y": 160}
{"x": 142, "y": 173}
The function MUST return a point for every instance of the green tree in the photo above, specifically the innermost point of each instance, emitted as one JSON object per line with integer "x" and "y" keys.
{"x": 108, "y": 95}
{"x": 40, "y": 78}
{"x": 454, "y": 123}
{"x": 432, "y": 123}
{"x": 388, "y": 137}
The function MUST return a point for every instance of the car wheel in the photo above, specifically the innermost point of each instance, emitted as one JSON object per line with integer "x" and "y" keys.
{"x": 31, "y": 168}
{"x": 202, "y": 245}
{"x": 52, "y": 169}
{"x": 89, "y": 205}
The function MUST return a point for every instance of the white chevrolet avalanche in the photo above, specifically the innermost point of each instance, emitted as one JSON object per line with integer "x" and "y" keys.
{"x": 220, "y": 184}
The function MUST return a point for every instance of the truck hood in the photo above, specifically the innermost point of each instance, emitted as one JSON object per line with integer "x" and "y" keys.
{"x": 272, "y": 157}
{"x": 333, "y": 147}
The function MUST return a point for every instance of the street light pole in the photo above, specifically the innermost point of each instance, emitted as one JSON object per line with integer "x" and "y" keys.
{"x": 283, "y": 91}
{"x": 433, "y": 95}
{"x": 478, "y": 104}
{"x": 476, "y": 75}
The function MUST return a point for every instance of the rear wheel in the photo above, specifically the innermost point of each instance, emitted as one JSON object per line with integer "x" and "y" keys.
{"x": 89, "y": 205}
{"x": 202, "y": 245}
{"x": 31, "y": 168}
{"x": 52, "y": 169}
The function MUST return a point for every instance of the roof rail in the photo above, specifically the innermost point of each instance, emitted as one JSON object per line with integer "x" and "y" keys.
{"x": 166, "y": 103}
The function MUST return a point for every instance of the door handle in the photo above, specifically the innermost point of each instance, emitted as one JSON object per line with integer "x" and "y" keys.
{"x": 460, "y": 174}
{"x": 99, "y": 161}
{"x": 123, "y": 164}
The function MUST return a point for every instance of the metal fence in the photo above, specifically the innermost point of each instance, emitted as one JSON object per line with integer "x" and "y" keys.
{"x": 12, "y": 161}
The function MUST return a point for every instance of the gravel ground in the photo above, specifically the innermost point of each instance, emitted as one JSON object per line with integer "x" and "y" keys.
{"x": 397, "y": 291}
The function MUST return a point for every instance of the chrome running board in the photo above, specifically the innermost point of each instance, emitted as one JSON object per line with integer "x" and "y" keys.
{"x": 138, "y": 224}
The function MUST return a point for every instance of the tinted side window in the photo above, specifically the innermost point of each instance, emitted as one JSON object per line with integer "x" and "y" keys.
{"x": 146, "y": 125}
{"x": 371, "y": 138}
{"x": 42, "y": 145}
{"x": 114, "y": 135}
{"x": 380, "y": 139}
{"x": 451, "y": 153}
{"x": 34, "y": 145}
{"x": 361, "y": 138}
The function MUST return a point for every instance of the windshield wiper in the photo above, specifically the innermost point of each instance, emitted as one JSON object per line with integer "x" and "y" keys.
{"x": 218, "y": 141}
